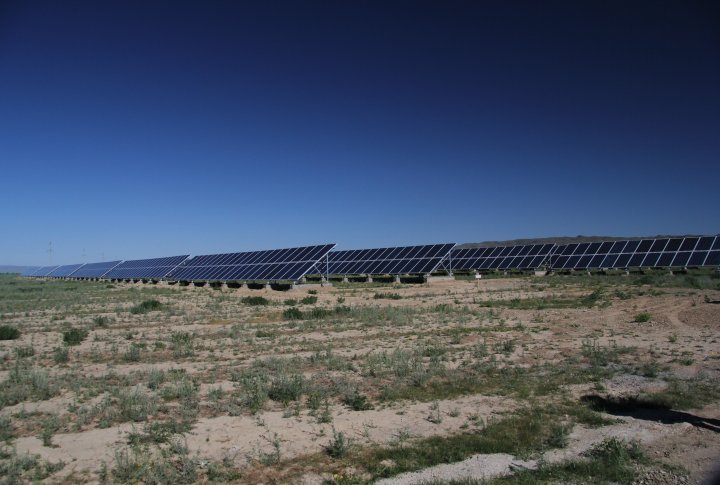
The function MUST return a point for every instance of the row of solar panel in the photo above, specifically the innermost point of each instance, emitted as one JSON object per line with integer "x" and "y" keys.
{"x": 271, "y": 265}
{"x": 274, "y": 265}
{"x": 293, "y": 263}
{"x": 646, "y": 253}
{"x": 398, "y": 260}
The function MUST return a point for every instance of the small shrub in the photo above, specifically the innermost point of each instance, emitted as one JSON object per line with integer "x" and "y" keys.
{"x": 293, "y": 313}
{"x": 156, "y": 378}
{"x": 50, "y": 425}
{"x": 506, "y": 346}
{"x": 559, "y": 436}
{"x": 7, "y": 433}
{"x": 650, "y": 369}
{"x": 61, "y": 355}
{"x": 9, "y": 333}
{"x": 255, "y": 301}
{"x": 387, "y": 296}
{"x": 74, "y": 336}
{"x": 309, "y": 300}
{"x": 339, "y": 446}
{"x": 290, "y": 302}
{"x": 22, "y": 352}
{"x": 133, "y": 353}
{"x": 101, "y": 321}
{"x": 135, "y": 405}
{"x": 146, "y": 306}
{"x": 159, "y": 432}
{"x": 286, "y": 388}
{"x": 318, "y": 313}
{"x": 342, "y": 310}
{"x": 642, "y": 317}
{"x": 260, "y": 333}
{"x": 312, "y": 292}
{"x": 357, "y": 401}
{"x": 273, "y": 457}
{"x": 182, "y": 344}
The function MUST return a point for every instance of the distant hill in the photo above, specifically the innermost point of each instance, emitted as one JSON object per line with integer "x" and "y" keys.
{"x": 562, "y": 240}
{"x": 15, "y": 269}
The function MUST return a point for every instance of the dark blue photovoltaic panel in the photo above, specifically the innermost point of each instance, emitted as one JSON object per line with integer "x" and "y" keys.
{"x": 30, "y": 271}
{"x": 527, "y": 256}
{"x": 65, "y": 271}
{"x": 95, "y": 270}
{"x": 44, "y": 271}
{"x": 155, "y": 268}
{"x": 713, "y": 259}
{"x": 289, "y": 264}
{"x": 646, "y": 253}
{"x": 391, "y": 261}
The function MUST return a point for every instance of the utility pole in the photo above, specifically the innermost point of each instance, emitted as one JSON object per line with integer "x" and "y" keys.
{"x": 49, "y": 251}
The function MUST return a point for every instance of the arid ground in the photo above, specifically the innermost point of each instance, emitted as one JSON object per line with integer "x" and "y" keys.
{"x": 575, "y": 379}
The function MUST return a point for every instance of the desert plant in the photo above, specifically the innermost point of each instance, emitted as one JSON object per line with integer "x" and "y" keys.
{"x": 642, "y": 317}
{"x": 7, "y": 432}
{"x": 255, "y": 301}
{"x": 133, "y": 353}
{"x": 61, "y": 354}
{"x": 49, "y": 427}
{"x": 285, "y": 388}
{"x": 293, "y": 313}
{"x": 22, "y": 352}
{"x": 182, "y": 344}
{"x": 74, "y": 336}
{"x": 146, "y": 306}
{"x": 9, "y": 333}
{"x": 357, "y": 401}
{"x": 101, "y": 321}
{"x": 339, "y": 445}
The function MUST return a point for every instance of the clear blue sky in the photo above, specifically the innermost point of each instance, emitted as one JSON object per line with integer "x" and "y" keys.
{"x": 138, "y": 129}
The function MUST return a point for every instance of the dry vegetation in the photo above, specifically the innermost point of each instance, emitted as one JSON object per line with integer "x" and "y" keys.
{"x": 564, "y": 378}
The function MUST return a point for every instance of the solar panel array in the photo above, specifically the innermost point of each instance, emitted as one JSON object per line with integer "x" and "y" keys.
{"x": 392, "y": 261}
{"x": 44, "y": 271}
{"x": 155, "y": 268}
{"x": 29, "y": 271}
{"x": 292, "y": 263}
{"x": 95, "y": 270}
{"x": 646, "y": 253}
{"x": 270, "y": 265}
{"x": 64, "y": 271}
{"x": 500, "y": 257}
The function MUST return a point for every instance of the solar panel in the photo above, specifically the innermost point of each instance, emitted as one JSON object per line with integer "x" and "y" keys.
{"x": 65, "y": 271}
{"x": 30, "y": 271}
{"x": 271, "y": 265}
{"x": 645, "y": 253}
{"x": 95, "y": 270}
{"x": 44, "y": 271}
{"x": 391, "y": 261}
{"x": 526, "y": 256}
{"x": 155, "y": 268}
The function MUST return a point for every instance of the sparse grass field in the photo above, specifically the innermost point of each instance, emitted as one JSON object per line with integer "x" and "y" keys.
{"x": 582, "y": 379}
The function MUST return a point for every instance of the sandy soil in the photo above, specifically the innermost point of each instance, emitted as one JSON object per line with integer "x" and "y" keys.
{"x": 682, "y": 338}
